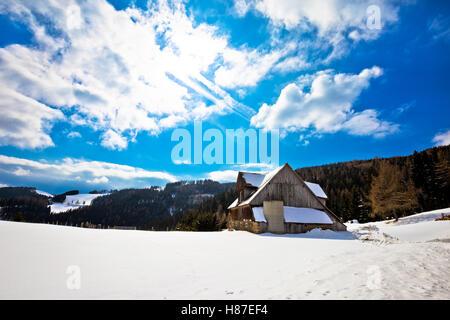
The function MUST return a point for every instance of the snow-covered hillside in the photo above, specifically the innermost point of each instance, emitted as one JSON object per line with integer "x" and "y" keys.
{"x": 418, "y": 227}
{"x": 74, "y": 202}
{"x": 371, "y": 261}
{"x": 43, "y": 193}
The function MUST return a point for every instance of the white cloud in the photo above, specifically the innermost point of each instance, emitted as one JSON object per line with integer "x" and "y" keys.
{"x": 255, "y": 166}
{"x": 442, "y": 139}
{"x": 100, "y": 180}
{"x": 366, "y": 123}
{"x": 24, "y": 122}
{"x": 325, "y": 15}
{"x": 326, "y": 107}
{"x": 176, "y": 161}
{"x": 231, "y": 174}
{"x": 112, "y": 140}
{"x": 241, "y": 7}
{"x": 223, "y": 176}
{"x": 115, "y": 71}
{"x": 245, "y": 68}
{"x": 303, "y": 139}
{"x": 295, "y": 63}
{"x": 70, "y": 169}
{"x": 336, "y": 23}
{"x": 74, "y": 134}
{"x": 127, "y": 71}
{"x": 21, "y": 172}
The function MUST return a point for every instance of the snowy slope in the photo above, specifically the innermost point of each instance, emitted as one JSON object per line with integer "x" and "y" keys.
{"x": 74, "y": 202}
{"x": 418, "y": 227}
{"x": 44, "y": 193}
{"x": 116, "y": 264}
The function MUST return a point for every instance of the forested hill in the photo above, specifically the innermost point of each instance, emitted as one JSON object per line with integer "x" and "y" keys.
{"x": 364, "y": 190}
{"x": 382, "y": 188}
{"x": 154, "y": 207}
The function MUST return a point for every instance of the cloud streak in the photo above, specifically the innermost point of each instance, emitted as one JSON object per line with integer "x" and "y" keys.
{"x": 442, "y": 139}
{"x": 80, "y": 171}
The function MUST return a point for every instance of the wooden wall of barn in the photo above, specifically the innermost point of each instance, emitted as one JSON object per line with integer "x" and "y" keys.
{"x": 242, "y": 213}
{"x": 302, "y": 227}
{"x": 262, "y": 227}
{"x": 248, "y": 225}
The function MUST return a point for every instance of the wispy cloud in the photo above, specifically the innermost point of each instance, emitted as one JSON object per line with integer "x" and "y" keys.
{"x": 70, "y": 170}
{"x": 74, "y": 134}
{"x": 337, "y": 23}
{"x": 404, "y": 108}
{"x": 21, "y": 172}
{"x": 439, "y": 27}
{"x": 442, "y": 139}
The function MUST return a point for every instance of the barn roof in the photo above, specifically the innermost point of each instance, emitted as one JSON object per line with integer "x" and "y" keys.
{"x": 296, "y": 215}
{"x": 234, "y": 204}
{"x": 254, "y": 179}
{"x": 305, "y": 215}
{"x": 258, "y": 213}
{"x": 316, "y": 189}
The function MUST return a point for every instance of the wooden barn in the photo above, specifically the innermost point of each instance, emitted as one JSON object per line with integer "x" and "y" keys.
{"x": 280, "y": 202}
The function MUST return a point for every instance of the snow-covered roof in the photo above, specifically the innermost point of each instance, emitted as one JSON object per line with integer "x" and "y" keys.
{"x": 305, "y": 215}
{"x": 234, "y": 204}
{"x": 253, "y": 178}
{"x": 296, "y": 215}
{"x": 316, "y": 189}
{"x": 258, "y": 213}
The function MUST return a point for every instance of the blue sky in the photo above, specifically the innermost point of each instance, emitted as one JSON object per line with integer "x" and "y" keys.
{"x": 92, "y": 91}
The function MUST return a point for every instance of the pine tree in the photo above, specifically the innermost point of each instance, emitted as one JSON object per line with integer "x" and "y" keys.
{"x": 442, "y": 181}
{"x": 391, "y": 193}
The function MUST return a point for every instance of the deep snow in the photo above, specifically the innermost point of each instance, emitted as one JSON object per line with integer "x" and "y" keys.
{"x": 367, "y": 262}
{"x": 418, "y": 227}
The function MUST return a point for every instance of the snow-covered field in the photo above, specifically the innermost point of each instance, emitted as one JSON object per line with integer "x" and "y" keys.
{"x": 419, "y": 227}
{"x": 404, "y": 260}
{"x": 74, "y": 202}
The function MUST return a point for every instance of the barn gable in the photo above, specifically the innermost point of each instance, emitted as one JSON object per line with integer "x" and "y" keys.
{"x": 286, "y": 185}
